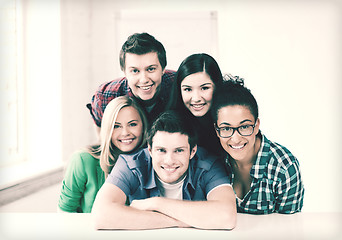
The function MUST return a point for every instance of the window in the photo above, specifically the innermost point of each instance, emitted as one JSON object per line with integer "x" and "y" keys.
{"x": 11, "y": 85}
{"x": 30, "y": 89}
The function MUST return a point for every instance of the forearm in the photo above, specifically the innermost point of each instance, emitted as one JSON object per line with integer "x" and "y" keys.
{"x": 117, "y": 216}
{"x": 211, "y": 214}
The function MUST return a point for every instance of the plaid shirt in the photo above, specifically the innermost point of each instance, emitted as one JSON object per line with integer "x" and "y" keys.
{"x": 119, "y": 87}
{"x": 276, "y": 182}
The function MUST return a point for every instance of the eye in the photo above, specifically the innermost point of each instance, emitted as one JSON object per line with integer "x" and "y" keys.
{"x": 205, "y": 88}
{"x": 116, "y": 126}
{"x": 161, "y": 150}
{"x": 225, "y": 129}
{"x": 244, "y": 127}
{"x": 151, "y": 69}
{"x": 134, "y": 124}
{"x": 187, "y": 89}
{"x": 180, "y": 150}
{"x": 134, "y": 71}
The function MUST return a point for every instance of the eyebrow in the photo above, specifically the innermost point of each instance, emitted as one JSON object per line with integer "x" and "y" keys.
{"x": 152, "y": 65}
{"x": 246, "y": 120}
{"x": 208, "y": 83}
{"x": 134, "y": 120}
{"x": 181, "y": 147}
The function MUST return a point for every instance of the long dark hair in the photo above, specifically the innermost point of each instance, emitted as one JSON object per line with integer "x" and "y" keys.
{"x": 199, "y": 62}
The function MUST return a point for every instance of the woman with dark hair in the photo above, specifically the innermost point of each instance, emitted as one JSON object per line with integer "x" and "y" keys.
{"x": 197, "y": 78}
{"x": 265, "y": 175}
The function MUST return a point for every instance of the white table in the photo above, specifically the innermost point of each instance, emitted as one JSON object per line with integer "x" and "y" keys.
{"x": 61, "y": 226}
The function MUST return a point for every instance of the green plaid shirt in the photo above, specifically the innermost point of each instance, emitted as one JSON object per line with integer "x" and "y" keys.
{"x": 276, "y": 182}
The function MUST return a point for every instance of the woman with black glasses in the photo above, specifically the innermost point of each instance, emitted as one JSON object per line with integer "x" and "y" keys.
{"x": 265, "y": 175}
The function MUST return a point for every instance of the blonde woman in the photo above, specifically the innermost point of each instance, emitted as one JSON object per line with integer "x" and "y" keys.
{"x": 123, "y": 130}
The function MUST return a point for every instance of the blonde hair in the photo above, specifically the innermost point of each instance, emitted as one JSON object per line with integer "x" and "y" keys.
{"x": 107, "y": 152}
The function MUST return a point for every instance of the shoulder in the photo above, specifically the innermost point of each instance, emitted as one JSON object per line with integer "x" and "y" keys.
{"x": 169, "y": 76}
{"x": 205, "y": 160}
{"x": 119, "y": 86}
{"x": 131, "y": 170}
{"x": 279, "y": 155}
{"x": 137, "y": 159}
{"x": 168, "y": 73}
{"x": 84, "y": 160}
{"x": 83, "y": 157}
{"x": 208, "y": 171}
{"x": 82, "y": 164}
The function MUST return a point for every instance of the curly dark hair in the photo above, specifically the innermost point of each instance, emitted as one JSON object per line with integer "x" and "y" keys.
{"x": 233, "y": 92}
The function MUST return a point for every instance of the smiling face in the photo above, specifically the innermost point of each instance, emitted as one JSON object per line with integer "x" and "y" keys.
{"x": 171, "y": 154}
{"x": 144, "y": 74}
{"x": 241, "y": 148}
{"x": 197, "y": 92}
{"x": 128, "y": 129}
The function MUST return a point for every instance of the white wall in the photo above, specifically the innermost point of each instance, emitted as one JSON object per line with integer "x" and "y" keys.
{"x": 42, "y": 73}
{"x": 289, "y": 52}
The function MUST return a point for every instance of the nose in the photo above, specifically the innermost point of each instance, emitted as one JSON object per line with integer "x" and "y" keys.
{"x": 125, "y": 131}
{"x": 144, "y": 77}
{"x": 196, "y": 96}
{"x": 168, "y": 159}
{"x": 236, "y": 137}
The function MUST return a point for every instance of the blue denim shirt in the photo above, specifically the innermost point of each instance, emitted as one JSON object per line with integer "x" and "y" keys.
{"x": 134, "y": 175}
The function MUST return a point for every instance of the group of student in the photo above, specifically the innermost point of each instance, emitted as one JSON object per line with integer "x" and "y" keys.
{"x": 177, "y": 149}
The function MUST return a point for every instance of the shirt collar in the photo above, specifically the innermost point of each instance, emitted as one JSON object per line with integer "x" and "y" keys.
{"x": 188, "y": 183}
{"x": 259, "y": 165}
{"x": 151, "y": 183}
{"x": 148, "y": 180}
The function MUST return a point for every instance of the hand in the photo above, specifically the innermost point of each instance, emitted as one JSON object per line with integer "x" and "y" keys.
{"x": 147, "y": 204}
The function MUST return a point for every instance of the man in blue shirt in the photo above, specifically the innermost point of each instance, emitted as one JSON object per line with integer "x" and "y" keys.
{"x": 160, "y": 181}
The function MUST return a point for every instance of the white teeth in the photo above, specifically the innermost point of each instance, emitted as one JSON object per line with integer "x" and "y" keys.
{"x": 169, "y": 169}
{"x": 127, "y": 140}
{"x": 197, "y": 105}
{"x": 237, "y": 147}
{"x": 145, "y": 88}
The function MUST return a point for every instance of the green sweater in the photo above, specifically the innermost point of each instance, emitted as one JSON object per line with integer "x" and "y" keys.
{"x": 83, "y": 179}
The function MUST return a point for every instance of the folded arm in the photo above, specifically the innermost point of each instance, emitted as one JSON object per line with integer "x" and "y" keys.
{"x": 110, "y": 212}
{"x": 218, "y": 212}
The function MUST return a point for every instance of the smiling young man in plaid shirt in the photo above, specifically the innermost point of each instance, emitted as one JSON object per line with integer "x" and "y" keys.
{"x": 143, "y": 61}
{"x": 265, "y": 175}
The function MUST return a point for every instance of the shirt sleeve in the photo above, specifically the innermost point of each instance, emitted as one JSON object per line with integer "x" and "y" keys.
{"x": 215, "y": 177}
{"x": 98, "y": 103}
{"x": 103, "y": 95}
{"x": 73, "y": 185}
{"x": 122, "y": 176}
{"x": 290, "y": 192}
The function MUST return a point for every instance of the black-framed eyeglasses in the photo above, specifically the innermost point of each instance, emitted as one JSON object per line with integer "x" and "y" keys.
{"x": 244, "y": 130}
